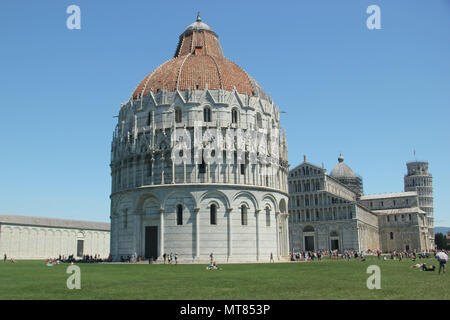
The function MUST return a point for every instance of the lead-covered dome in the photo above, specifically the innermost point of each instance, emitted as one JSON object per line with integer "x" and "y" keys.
{"x": 342, "y": 173}
{"x": 341, "y": 170}
{"x": 199, "y": 64}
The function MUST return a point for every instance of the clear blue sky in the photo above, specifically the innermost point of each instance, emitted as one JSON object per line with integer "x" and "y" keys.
{"x": 374, "y": 95}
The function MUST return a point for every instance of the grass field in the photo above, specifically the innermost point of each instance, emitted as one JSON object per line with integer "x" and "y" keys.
{"x": 278, "y": 281}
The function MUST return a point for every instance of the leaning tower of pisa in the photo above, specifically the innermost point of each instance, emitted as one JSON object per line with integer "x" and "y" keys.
{"x": 419, "y": 179}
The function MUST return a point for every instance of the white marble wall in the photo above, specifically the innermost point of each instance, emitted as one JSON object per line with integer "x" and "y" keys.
{"x": 38, "y": 242}
{"x": 196, "y": 238}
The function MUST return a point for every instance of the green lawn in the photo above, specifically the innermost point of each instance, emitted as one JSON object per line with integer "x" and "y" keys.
{"x": 280, "y": 281}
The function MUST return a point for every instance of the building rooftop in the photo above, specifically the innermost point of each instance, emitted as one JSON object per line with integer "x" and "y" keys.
{"x": 389, "y": 195}
{"x": 54, "y": 222}
{"x": 199, "y": 64}
{"x": 341, "y": 170}
{"x": 399, "y": 211}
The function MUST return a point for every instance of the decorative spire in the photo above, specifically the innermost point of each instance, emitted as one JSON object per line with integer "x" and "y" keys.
{"x": 341, "y": 158}
{"x": 198, "y": 17}
{"x": 304, "y": 158}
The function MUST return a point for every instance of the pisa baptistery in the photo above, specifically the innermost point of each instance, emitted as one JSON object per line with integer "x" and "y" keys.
{"x": 199, "y": 162}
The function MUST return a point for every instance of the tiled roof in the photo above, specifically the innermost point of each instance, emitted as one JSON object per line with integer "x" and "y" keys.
{"x": 199, "y": 64}
{"x": 54, "y": 222}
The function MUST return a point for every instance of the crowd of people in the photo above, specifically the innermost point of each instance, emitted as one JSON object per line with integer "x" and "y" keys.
{"x": 71, "y": 259}
{"x": 330, "y": 254}
{"x": 350, "y": 254}
{"x": 172, "y": 258}
{"x": 134, "y": 258}
{"x": 412, "y": 255}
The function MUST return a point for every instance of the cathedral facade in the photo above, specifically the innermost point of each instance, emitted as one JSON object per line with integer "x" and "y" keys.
{"x": 330, "y": 212}
{"x": 199, "y": 162}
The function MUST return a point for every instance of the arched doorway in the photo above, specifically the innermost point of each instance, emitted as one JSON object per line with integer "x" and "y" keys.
{"x": 308, "y": 236}
{"x": 334, "y": 240}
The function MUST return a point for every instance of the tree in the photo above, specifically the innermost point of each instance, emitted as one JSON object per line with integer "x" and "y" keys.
{"x": 440, "y": 240}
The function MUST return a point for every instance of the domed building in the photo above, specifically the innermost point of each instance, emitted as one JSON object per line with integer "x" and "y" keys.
{"x": 199, "y": 162}
{"x": 330, "y": 212}
{"x": 345, "y": 175}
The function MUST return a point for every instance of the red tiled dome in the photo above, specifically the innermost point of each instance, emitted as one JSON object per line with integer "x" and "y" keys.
{"x": 199, "y": 64}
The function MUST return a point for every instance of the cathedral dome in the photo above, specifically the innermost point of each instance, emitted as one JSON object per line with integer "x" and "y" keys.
{"x": 199, "y": 64}
{"x": 341, "y": 170}
{"x": 198, "y": 25}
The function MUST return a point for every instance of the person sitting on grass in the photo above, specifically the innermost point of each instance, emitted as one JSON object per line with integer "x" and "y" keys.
{"x": 213, "y": 266}
{"x": 425, "y": 268}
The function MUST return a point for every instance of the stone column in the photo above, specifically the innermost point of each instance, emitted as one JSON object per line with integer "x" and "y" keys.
{"x": 197, "y": 233}
{"x": 115, "y": 236}
{"x": 230, "y": 234}
{"x": 281, "y": 226}
{"x": 173, "y": 170}
{"x": 286, "y": 223}
{"x": 277, "y": 217}
{"x": 257, "y": 233}
{"x": 143, "y": 171}
{"x": 162, "y": 167}
{"x": 272, "y": 176}
{"x": 238, "y": 173}
{"x": 137, "y": 232}
{"x": 194, "y": 170}
{"x": 134, "y": 166}
{"x": 161, "y": 232}
{"x": 359, "y": 238}
{"x": 328, "y": 246}
{"x": 247, "y": 173}
{"x": 127, "y": 167}
{"x": 153, "y": 166}
{"x": 259, "y": 175}
{"x": 316, "y": 238}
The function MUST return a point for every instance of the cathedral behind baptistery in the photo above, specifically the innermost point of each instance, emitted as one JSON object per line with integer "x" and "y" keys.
{"x": 199, "y": 162}
{"x": 330, "y": 211}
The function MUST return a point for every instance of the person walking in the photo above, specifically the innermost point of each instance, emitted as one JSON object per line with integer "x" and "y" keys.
{"x": 176, "y": 258}
{"x": 442, "y": 257}
{"x": 442, "y": 266}
{"x": 5, "y": 257}
{"x": 164, "y": 257}
{"x": 271, "y": 257}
